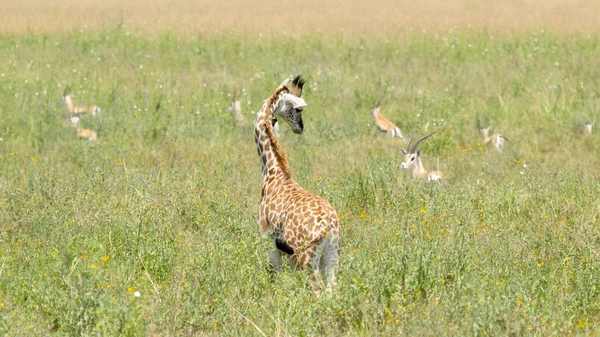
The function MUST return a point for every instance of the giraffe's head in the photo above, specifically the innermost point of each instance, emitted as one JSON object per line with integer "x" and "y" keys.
{"x": 291, "y": 105}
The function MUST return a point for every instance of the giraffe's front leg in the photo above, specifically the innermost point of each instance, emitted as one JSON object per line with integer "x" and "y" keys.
{"x": 274, "y": 259}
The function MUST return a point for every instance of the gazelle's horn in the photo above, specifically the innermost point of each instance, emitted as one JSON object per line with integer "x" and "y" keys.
{"x": 414, "y": 148}
{"x": 408, "y": 144}
{"x": 66, "y": 90}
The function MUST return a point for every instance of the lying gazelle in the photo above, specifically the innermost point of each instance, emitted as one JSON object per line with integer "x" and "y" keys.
{"x": 383, "y": 124}
{"x": 496, "y": 139}
{"x": 587, "y": 129}
{"x": 414, "y": 165}
{"x": 76, "y": 110}
{"x": 88, "y": 134}
{"x": 236, "y": 106}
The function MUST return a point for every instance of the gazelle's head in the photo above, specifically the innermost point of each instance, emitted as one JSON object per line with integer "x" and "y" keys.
{"x": 236, "y": 105}
{"x": 587, "y": 128}
{"x": 485, "y": 131}
{"x": 375, "y": 109}
{"x": 291, "y": 105}
{"x": 66, "y": 97}
{"x": 412, "y": 154}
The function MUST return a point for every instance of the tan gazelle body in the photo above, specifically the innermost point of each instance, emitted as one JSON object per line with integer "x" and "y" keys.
{"x": 77, "y": 110}
{"x": 413, "y": 164}
{"x": 497, "y": 140}
{"x": 384, "y": 125}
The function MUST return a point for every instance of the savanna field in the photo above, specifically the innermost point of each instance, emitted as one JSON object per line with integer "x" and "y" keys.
{"x": 151, "y": 230}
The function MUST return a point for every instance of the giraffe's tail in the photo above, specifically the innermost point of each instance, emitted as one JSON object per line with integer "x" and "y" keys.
{"x": 284, "y": 246}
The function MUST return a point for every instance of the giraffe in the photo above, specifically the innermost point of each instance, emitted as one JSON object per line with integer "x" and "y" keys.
{"x": 300, "y": 224}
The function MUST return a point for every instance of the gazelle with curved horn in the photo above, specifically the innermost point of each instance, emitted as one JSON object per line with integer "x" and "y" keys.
{"x": 383, "y": 124}
{"x": 414, "y": 165}
{"x": 77, "y": 110}
{"x": 497, "y": 140}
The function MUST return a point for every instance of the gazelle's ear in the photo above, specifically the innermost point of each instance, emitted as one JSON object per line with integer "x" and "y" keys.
{"x": 403, "y": 151}
{"x": 294, "y": 101}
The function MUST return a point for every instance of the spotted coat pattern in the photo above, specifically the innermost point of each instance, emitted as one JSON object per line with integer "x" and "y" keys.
{"x": 300, "y": 222}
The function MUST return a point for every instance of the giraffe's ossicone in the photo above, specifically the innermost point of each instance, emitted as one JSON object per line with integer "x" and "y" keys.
{"x": 303, "y": 226}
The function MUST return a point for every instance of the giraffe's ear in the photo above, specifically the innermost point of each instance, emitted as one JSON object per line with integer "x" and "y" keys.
{"x": 296, "y": 86}
{"x": 294, "y": 101}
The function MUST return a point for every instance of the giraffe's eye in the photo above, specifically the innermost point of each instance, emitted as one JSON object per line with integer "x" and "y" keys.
{"x": 299, "y": 110}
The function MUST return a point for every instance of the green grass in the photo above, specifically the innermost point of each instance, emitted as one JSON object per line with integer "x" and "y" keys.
{"x": 165, "y": 202}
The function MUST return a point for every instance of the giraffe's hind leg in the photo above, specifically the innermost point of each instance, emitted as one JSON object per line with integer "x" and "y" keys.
{"x": 329, "y": 262}
{"x": 315, "y": 254}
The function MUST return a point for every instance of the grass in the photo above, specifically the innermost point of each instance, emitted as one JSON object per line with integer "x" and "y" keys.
{"x": 164, "y": 204}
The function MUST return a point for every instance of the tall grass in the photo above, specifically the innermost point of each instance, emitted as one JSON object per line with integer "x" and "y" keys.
{"x": 164, "y": 205}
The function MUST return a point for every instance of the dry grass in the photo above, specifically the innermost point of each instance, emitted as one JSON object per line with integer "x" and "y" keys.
{"x": 378, "y": 17}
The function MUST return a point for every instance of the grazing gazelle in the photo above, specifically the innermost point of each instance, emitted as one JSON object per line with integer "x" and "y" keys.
{"x": 236, "y": 106}
{"x": 414, "y": 165}
{"x": 383, "y": 124}
{"x": 496, "y": 139}
{"x": 88, "y": 134}
{"x": 76, "y": 110}
{"x": 587, "y": 128}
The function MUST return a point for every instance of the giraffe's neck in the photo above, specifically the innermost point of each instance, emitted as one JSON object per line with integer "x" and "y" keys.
{"x": 272, "y": 159}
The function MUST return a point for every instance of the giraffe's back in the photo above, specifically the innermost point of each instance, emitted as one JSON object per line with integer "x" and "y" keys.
{"x": 300, "y": 219}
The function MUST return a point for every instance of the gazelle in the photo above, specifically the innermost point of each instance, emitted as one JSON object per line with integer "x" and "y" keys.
{"x": 383, "y": 124}
{"x": 587, "y": 129}
{"x": 236, "y": 106}
{"x": 414, "y": 165}
{"x": 76, "y": 110}
{"x": 496, "y": 139}
{"x": 88, "y": 134}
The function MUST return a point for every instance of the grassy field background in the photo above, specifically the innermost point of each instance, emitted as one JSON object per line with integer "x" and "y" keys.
{"x": 164, "y": 204}
{"x": 273, "y": 18}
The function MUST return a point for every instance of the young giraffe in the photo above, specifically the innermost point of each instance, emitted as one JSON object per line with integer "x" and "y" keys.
{"x": 300, "y": 224}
